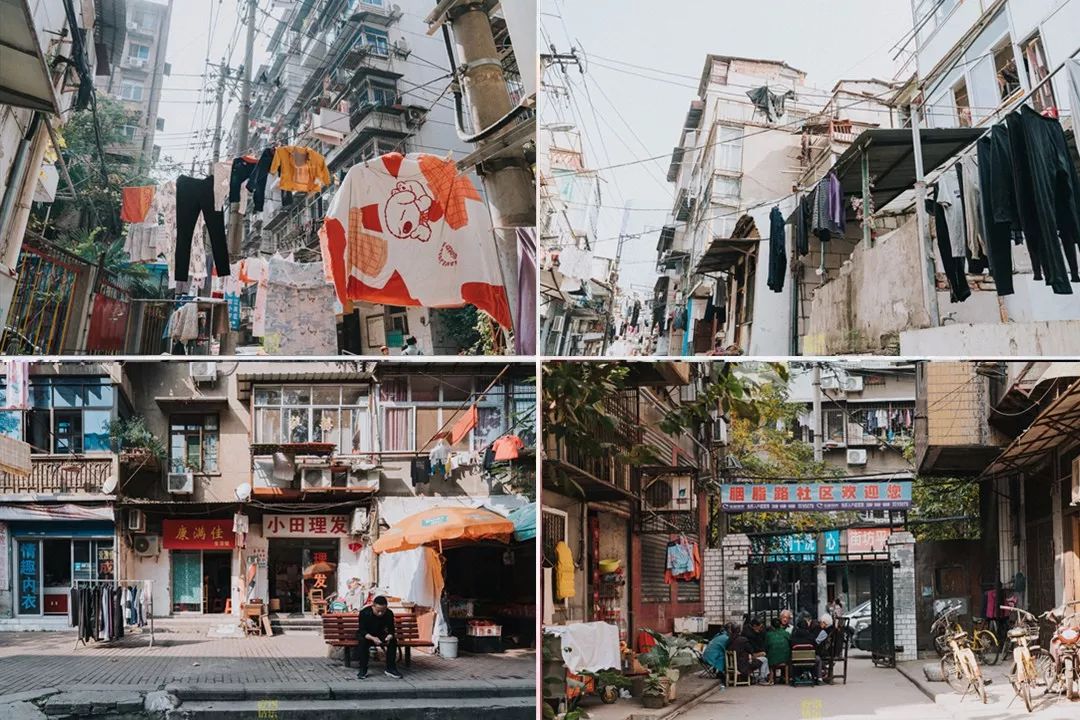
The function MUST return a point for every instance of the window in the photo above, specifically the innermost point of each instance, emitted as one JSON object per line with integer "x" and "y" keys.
{"x": 131, "y": 91}
{"x": 377, "y": 94}
{"x": 729, "y": 144}
{"x": 160, "y": 123}
{"x": 69, "y": 416}
{"x": 128, "y": 131}
{"x": 726, "y": 187}
{"x": 930, "y": 14}
{"x": 377, "y": 41}
{"x": 377, "y": 147}
{"x": 1008, "y": 79}
{"x": 336, "y": 414}
{"x": 1036, "y": 67}
{"x": 138, "y": 52}
{"x": 193, "y": 443}
{"x": 833, "y": 420}
{"x": 962, "y": 103}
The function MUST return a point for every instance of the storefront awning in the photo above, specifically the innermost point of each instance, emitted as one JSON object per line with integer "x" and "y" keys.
{"x": 524, "y": 519}
{"x": 891, "y": 156}
{"x": 1058, "y": 426}
{"x": 43, "y": 512}
{"x": 445, "y": 527}
{"x": 24, "y": 74}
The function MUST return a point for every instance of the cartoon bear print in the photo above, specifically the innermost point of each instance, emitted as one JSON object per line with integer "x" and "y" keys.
{"x": 406, "y": 211}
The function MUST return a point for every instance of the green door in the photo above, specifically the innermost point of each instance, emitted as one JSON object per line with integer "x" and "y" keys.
{"x": 187, "y": 580}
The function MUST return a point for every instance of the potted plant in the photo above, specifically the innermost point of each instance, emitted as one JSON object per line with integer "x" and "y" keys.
{"x": 667, "y": 656}
{"x": 135, "y": 443}
{"x": 655, "y": 694}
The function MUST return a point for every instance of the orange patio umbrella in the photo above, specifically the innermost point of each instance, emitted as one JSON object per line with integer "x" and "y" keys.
{"x": 445, "y": 526}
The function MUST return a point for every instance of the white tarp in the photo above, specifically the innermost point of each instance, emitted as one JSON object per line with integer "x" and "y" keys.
{"x": 416, "y": 576}
{"x": 589, "y": 647}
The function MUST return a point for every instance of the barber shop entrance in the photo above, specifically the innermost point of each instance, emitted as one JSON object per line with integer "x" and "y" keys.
{"x": 302, "y": 574}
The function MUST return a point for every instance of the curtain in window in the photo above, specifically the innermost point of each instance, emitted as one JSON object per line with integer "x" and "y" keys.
{"x": 396, "y": 430}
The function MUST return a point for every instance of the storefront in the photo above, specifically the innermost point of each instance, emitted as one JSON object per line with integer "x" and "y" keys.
{"x": 48, "y": 557}
{"x": 309, "y": 559}
{"x": 200, "y": 556}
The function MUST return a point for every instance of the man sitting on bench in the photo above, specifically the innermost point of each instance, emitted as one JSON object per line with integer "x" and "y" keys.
{"x": 376, "y": 629}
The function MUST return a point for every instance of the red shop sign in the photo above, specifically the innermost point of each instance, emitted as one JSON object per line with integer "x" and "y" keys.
{"x": 197, "y": 534}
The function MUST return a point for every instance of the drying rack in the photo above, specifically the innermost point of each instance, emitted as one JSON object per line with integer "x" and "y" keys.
{"x": 147, "y": 586}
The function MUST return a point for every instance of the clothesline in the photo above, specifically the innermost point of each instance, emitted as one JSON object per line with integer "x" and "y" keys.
{"x": 146, "y": 585}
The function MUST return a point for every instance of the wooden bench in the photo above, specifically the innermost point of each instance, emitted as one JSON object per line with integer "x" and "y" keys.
{"x": 340, "y": 630}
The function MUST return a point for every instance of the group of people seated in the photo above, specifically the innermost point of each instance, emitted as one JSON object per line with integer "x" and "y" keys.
{"x": 761, "y": 651}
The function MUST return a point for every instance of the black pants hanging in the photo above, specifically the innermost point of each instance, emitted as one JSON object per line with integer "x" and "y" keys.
{"x": 999, "y": 208}
{"x": 955, "y": 271}
{"x": 1048, "y": 194}
{"x": 194, "y": 196}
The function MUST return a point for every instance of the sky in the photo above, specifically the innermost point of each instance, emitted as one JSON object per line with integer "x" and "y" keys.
{"x": 625, "y": 117}
{"x": 189, "y": 114}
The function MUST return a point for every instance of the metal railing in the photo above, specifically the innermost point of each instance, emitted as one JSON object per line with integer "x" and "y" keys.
{"x": 61, "y": 474}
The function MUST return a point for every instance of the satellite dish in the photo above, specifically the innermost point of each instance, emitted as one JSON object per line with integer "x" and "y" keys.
{"x": 243, "y": 492}
{"x": 109, "y": 486}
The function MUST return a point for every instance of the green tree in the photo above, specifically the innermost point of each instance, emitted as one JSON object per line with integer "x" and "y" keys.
{"x": 942, "y": 508}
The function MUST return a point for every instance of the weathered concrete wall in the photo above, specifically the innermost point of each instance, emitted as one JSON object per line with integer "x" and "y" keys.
{"x": 1030, "y": 339}
{"x": 959, "y": 562}
{"x": 736, "y": 550}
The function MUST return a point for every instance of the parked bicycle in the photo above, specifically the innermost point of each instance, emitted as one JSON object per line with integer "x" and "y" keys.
{"x": 984, "y": 643}
{"x": 960, "y": 668}
{"x": 1065, "y": 652}
{"x": 1031, "y": 666}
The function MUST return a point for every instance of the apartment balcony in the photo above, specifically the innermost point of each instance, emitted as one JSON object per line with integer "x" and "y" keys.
{"x": 383, "y": 15}
{"x": 134, "y": 28}
{"x": 138, "y": 64}
{"x": 954, "y": 405}
{"x": 364, "y": 54}
{"x": 62, "y": 475}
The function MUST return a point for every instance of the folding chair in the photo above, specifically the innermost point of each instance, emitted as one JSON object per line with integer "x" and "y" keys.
{"x": 803, "y": 664}
{"x": 731, "y": 671}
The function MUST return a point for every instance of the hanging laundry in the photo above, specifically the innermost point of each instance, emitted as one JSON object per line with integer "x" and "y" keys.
{"x": 1072, "y": 73}
{"x": 184, "y": 324}
{"x": 260, "y": 175}
{"x": 777, "y": 250}
{"x": 973, "y": 212}
{"x": 464, "y": 425}
{"x": 508, "y": 447}
{"x": 828, "y": 218}
{"x": 300, "y": 316}
{"x": 411, "y": 230}
{"x": 301, "y": 169}
{"x": 441, "y": 452}
{"x": 804, "y": 214}
{"x": 683, "y": 561}
{"x": 950, "y": 199}
{"x": 256, "y": 271}
{"x": 955, "y": 267}
{"x": 769, "y": 102}
{"x": 194, "y": 199}
{"x": 135, "y": 203}
{"x": 242, "y": 168}
{"x": 1001, "y": 221}
{"x": 1048, "y": 194}
{"x": 564, "y": 571}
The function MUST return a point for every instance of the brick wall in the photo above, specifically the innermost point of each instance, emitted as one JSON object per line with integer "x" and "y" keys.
{"x": 735, "y": 551}
{"x": 902, "y": 550}
{"x": 713, "y": 587}
{"x": 956, "y": 400}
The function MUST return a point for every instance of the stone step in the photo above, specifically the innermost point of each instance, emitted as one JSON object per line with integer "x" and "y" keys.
{"x": 515, "y": 708}
{"x": 376, "y": 687}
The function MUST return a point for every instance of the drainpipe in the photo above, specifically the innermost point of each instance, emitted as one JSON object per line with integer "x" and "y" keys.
{"x": 15, "y": 185}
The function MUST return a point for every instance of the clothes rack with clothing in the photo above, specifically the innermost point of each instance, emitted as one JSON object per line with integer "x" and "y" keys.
{"x": 102, "y": 609}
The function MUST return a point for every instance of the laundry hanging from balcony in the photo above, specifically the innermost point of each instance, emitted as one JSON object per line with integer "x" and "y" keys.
{"x": 301, "y": 169}
{"x": 412, "y": 230}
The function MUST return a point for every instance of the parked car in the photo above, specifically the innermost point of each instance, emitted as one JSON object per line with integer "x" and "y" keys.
{"x": 859, "y": 622}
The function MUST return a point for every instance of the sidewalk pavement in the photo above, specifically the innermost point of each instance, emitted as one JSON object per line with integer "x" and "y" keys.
{"x": 43, "y": 668}
{"x": 688, "y": 691}
{"x": 1001, "y": 701}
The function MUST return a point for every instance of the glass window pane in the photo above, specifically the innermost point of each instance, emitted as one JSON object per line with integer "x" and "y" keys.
{"x": 192, "y": 452}
{"x": 296, "y": 420}
{"x": 424, "y": 389}
{"x": 326, "y": 395}
{"x": 105, "y": 560}
{"x": 68, "y": 396}
{"x": 354, "y": 395}
{"x": 457, "y": 388}
{"x": 56, "y": 562}
{"x": 267, "y": 426}
{"x": 267, "y": 396}
{"x": 296, "y": 395}
{"x": 96, "y": 430}
{"x": 11, "y": 424}
{"x": 67, "y": 432}
{"x": 489, "y": 425}
{"x": 324, "y": 425}
{"x": 395, "y": 435}
{"x": 210, "y": 422}
{"x": 394, "y": 389}
{"x": 82, "y": 568}
{"x": 40, "y": 439}
{"x": 41, "y": 394}
{"x": 101, "y": 396}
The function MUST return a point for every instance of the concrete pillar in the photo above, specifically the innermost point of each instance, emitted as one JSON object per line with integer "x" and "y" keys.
{"x": 901, "y": 547}
{"x": 712, "y": 587}
{"x": 735, "y": 551}
{"x": 822, "y": 586}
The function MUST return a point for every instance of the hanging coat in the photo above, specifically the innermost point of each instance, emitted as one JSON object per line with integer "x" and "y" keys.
{"x": 564, "y": 572}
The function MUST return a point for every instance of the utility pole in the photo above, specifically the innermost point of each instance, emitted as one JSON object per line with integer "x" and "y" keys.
{"x": 613, "y": 277}
{"x": 508, "y": 180}
{"x": 926, "y": 247}
{"x": 819, "y": 440}
{"x": 223, "y": 71}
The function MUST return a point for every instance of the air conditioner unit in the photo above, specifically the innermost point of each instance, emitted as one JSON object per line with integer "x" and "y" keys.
{"x": 401, "y": 48}
{"x": 315, "y": 478}
{"x": 182, "y": 483}
{"x": 415, "y": 115}
{"x": 856, "y": 457}
{"x": 1076, "y": 481}
{"x": 557, "y": 323}
{"x": 852, "y": 383}
{"x": 830, "y": 383}
{"x": 147, "y": 545}
{"x": 136, "y": 520}
{"x": 136, "y": 62}
{"x": 203, "y": 371}
{"x": 363, "y": 481}
{"x": 133, "y": 26}
{"x": 669, "y": 493}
